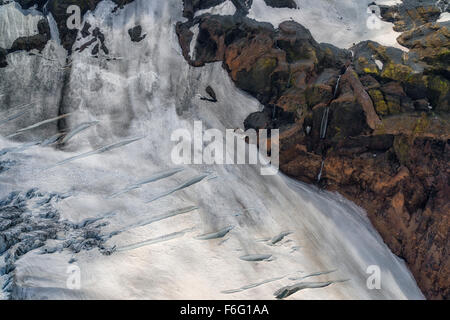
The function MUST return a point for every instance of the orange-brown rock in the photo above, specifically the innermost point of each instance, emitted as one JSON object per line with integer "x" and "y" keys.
{"x": 385, "y": 126}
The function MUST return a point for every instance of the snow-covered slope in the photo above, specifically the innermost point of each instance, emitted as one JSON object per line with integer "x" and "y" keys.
{"x": 342, "y": 22}
{"x": 199, "y": 242}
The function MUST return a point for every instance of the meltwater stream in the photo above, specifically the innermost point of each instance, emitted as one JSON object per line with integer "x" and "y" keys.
{"x": 135, "y": 225}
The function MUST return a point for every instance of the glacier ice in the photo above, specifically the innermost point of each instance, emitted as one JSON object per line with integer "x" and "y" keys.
{"x": 150, "y": 92}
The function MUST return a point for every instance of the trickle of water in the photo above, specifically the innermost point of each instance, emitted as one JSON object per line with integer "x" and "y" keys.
{"x": 337, "y": 86}
{"x": 319, "y": 176}
{"x": 324, "y": 124}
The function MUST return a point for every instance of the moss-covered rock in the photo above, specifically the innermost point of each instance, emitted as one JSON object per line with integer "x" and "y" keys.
{"x": 431, "y": 44}
{"x": 402, "y": 145}
{"x": 411, "y": 13}
{"x": 422, "y": 72}
{"x": 439, "y": 93}
{"x": 318, "y": 94}
{"x": 397, "y": 72}
{"x": 378, "y": 100}
{"x": 347, "y": 119}
{"x": 257, "y": 80}
{"x": 382, "y": 62}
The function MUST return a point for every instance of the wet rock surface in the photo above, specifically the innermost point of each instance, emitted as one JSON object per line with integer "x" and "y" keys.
{"x": 370, "y": 122}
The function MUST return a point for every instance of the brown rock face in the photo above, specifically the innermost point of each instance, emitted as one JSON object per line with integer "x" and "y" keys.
{"x": 412, "y": 13}
{"x": 362, "y": 97}
{"x": 431, "y": 43}
{"x": 406, "y": 201}
{"x": 373, "y": 125}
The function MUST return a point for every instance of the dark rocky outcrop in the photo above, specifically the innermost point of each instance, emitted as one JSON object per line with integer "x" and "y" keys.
{"x": 211, "y": 93}
{"x": 136, "y": 34}
{"x": 192, "y": 6}
{"x": 263, "y": 61}
{"x": 242, "y": 7}
{"x": 385, "y": 142}
{"x": 3, "y": 54}
{"x": 58, "y": 8}
{"x": 85, "y": 31}
{"x": 99, "y": 39}
{"x": 37, "y": 41}
{"x": 281, "y": 3}
{"x": 431, "y": 43}
{"x": 26, "y": 4}
{"x": 121, "y": 4}
{"x": 412, "y": 13}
